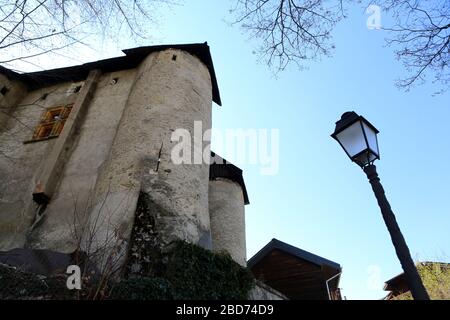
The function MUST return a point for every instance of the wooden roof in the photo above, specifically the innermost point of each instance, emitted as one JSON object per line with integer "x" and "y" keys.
{"x": 294, "y": 272}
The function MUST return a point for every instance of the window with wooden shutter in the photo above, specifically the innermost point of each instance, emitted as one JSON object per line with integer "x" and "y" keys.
{"x": 51, "y": 123}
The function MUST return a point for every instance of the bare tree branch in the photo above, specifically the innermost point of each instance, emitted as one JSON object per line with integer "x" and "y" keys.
{"x": 298, "y": 30}
{"x": 32, "y": 28}
{"x": 421, "y": 38}
{"x": 290, "y": 30}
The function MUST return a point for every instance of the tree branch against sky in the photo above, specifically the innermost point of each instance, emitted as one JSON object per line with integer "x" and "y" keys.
{"x": 290, "y": 30}
{"x": 299, "y": 30}
{"x": 33, "y": 28}
{"x": 421, "y": 39}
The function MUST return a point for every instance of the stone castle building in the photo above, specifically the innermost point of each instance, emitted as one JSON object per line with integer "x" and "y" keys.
{"x": 79, "y": 145}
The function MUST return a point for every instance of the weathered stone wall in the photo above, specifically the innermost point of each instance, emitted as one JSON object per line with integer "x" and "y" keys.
{"x": 71, "y": 202}
{"x": 264, "y": 292}
{"x": 172, "y": 89}
{"x": 13, "y": 92}
{"x": 113, "y": 157}
{"x": 10, "y": 201}
{"x": 19, "y": 162}
{"x": 227, "y": 212}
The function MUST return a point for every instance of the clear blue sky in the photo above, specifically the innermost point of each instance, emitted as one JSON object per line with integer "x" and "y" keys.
{"x": 320, "y": 201}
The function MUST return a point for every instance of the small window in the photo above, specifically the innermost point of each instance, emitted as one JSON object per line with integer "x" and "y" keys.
{"x": 52, "y": 122}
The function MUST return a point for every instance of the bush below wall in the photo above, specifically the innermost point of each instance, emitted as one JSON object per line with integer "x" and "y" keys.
{"x": 189, "y": 272}
{"x": 185, "y": 272}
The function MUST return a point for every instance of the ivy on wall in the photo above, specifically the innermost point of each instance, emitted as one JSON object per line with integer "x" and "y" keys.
{"x": 189, "y": 272}
{"x": 185, "y": 271}
{"x": 144, "y": 245}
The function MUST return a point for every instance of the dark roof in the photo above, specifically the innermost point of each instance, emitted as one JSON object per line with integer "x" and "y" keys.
{"x": 393, "y": 282}
{"x": 296, "y": 273}
{"x": 131, "y": 60}
{"x": 221, "y": 168}
{"x": 297, "y": 252}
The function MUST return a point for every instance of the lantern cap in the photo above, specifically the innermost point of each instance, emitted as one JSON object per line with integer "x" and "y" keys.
{"x": 347, "y": 119}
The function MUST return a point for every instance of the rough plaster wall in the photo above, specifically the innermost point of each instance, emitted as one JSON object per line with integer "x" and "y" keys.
{"x": 227, "y": 213}
{"x": 167, "y": 94}
{"x": 264, "y": 292}
{"x": 16, "y": 92}
{"x": 18, "y": 167}
{"x": 70, "y": 204}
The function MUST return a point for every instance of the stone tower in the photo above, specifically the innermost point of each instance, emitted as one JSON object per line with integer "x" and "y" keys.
{"x": 101, "y": 136}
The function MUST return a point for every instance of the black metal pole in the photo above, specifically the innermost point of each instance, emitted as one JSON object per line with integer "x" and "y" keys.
{"x": 412, "y": 276}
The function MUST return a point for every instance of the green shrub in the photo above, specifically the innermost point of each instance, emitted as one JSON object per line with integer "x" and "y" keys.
{"x": 196, "y": 273}
{"x": 186, "y": 272}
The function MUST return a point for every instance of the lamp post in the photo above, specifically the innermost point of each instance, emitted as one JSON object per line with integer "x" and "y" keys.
{"x": 358, "y": 138}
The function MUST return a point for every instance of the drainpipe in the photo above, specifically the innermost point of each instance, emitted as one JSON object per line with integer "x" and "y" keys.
{"x": 326, "y": 282}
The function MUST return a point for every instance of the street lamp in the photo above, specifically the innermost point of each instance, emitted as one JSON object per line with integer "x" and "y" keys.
{"x": 358, "y": 138}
